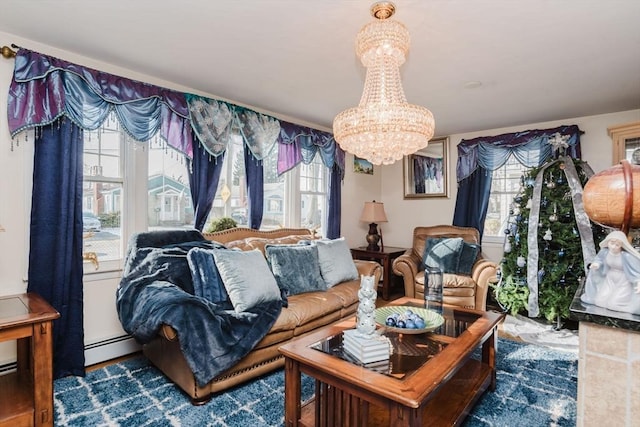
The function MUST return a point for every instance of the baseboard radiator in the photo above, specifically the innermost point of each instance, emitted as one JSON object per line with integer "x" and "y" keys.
{"x": 111, "y": 348}
{"x": 97, "y": 352}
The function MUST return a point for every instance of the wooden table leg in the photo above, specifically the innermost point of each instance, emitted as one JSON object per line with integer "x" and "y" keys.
{"x": 42, "y": 374}
{"x": 489, "y": 356}
{"x": 386, "y": 278}
{"x": 292, "y": 392}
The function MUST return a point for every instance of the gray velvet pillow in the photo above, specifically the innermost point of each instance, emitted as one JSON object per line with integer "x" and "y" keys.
{"x": 247, "y": 278}
{"x": 443, "y": 253}
{"x": 468, "y": 257}
{"x": 295, "y": 268}
{"x": 336, "y": 262}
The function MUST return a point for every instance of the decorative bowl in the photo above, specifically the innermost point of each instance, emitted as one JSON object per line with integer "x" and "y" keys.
{"x": 432, "y": 319}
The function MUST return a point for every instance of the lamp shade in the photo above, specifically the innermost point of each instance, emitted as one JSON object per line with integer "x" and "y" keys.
{"x": 373, "y": 212}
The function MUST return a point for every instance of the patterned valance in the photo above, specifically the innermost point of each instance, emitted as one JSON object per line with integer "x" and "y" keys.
{"x": 531, "y": 148}
{"x": 214, "y": 121}
{"x": 44, "y": 88}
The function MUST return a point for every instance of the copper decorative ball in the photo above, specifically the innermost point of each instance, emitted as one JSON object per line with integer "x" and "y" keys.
{"x": 610, "y": 197}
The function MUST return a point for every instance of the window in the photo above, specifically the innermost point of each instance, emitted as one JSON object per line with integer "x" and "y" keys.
{"x": 103, "y": 181}
{"x": 168, "y": 194}
{"x": 313, "y": 195}
{"x": 118, "y": 170}
{"x": 505, "y": 185}
{"x": 296, "y": 198}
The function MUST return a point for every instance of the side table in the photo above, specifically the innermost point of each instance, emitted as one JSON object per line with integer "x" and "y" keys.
{"x": 384, "y": 256}
{"x": 26, "y": 396}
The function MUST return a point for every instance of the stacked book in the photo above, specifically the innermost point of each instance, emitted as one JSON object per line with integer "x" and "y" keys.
{"x": 365, "y": 349}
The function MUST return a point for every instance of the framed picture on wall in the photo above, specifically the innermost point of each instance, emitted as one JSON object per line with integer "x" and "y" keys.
{"x": 425, "y": 172}
{"x": 362, "y": 166}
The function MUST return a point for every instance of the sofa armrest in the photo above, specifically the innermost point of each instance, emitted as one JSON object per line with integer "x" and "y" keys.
{"x": 483, "y": 273}
{"x": 368, "y": 268}
{"x": 406, "y": 265}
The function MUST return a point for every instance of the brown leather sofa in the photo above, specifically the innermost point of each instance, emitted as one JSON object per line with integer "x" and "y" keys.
{"x": 466, "y": 291}
{"x": 305, "y": 313}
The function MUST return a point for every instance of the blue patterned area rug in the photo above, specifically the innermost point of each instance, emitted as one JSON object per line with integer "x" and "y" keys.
{"x": 537, "y": 387}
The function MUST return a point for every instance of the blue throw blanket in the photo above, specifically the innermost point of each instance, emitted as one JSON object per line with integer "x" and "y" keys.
{"x": 213, "y": 337}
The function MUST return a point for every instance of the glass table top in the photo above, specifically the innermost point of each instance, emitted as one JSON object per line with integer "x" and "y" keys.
{"x": 409, "y": 352}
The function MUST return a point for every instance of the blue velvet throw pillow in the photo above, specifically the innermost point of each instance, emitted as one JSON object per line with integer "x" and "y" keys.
{"x": 207, "y": 282}
{"x": 247, "y": 278}
{"x": 443, "y": 253}
{"x": 467, "y": 258}
{"x": 295, "y": 268}
{"x": 336, "y": 262}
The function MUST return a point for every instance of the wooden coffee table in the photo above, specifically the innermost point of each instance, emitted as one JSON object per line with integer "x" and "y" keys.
{"x": 431, "y": 379}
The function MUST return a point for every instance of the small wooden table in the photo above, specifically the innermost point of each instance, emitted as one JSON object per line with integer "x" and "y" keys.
{"x": 385, "y": 257}
{"x": 26, "y": 396}
{"x": 431, "y": 379}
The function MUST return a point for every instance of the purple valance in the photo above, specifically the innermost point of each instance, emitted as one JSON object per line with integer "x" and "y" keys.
{"x": 300, "y": 144}
{"x": 44, "y": 88}
{"x": 531, "y": 148}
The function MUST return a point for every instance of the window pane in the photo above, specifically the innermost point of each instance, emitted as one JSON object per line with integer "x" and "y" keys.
{"x": 169, "y": 197}
{"x": 273, "y": 214}
{"x": 505, "y": 185}
{"x": 231, "y": 195}
{"x": 102, "y": 192}
{"x": 313, "y": 194}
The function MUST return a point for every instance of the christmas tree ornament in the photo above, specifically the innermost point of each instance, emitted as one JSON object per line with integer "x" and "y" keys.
{"x": 548, "y": 236}
{"x": 561, "y": 253}
{"x": 550, "y": 182}
{"x": 507, "y": 247}
{"x": 554, "y": 216}
{"x": 521, "y": 262}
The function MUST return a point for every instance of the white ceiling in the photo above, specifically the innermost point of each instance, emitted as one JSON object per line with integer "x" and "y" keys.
{"x": 537, "y": 60}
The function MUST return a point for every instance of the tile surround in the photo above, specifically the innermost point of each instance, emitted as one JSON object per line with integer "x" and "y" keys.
{"x": 608, "y": 366}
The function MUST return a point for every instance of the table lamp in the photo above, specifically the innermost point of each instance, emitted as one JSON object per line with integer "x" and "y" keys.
{"x": 373, "y": 213}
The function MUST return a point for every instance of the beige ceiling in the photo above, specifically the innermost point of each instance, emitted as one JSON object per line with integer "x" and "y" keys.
{"x": 536, "y": 60}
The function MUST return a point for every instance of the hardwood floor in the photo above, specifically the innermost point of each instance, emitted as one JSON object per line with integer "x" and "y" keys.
{"x": 112, "y": 361}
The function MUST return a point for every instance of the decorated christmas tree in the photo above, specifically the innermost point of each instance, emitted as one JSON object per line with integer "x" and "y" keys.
{"x": 549, "y": 240}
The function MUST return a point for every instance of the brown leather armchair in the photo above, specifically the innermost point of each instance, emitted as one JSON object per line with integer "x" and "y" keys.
{"x": 466, "y": 291}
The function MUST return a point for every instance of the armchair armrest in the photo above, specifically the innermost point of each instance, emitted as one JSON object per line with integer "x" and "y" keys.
{"x": 406, "y": 265}
{"x": 368, "y": 268}
{"x": 483, "y": 273}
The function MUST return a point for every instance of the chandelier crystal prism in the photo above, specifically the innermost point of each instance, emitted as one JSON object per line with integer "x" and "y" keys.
{"x": 384, "y": 126}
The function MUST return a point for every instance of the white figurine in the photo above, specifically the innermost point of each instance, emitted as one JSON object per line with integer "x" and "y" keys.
{"x": 367, "y": 294}
{"x": 613, "y": 281}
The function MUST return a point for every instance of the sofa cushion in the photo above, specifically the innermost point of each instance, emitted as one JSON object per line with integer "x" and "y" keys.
{"x": 246, "y": 277}
{"x": 207, "y": 282}
{"x": 295, "y": 268}
{"x": 259, "y": 243}
{"x": 336, "y": 262}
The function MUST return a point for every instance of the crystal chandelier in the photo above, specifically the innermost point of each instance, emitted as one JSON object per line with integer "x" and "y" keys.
{"x": 384, "y": 126}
